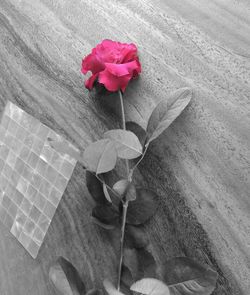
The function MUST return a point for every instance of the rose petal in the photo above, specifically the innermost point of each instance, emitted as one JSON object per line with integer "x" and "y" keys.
{"x": 91, "y": 63}
{"x": 90, "y": 82}
{"x": 122, "y": 69}
{"x": 112, "y": 82}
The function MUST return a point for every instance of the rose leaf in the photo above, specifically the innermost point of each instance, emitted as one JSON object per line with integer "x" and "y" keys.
{"x": 124, "y": 187}
{"x": 110, "y": 288}
{"x": 65, "y": 278}
{"x": 137, "y": 130}
{"x": 166, "y": 112}
{"x": 95, "y": 188}
{"x": 126, "y": 143}
{"x": 147, "y": 264}
{"x": 106, "y": 193}
{"x": 94, "y": 292}
{"x": 143, "y": 208}
{"x": 101, "y": 224}
{"x": 185, "y": 276}
{"x": 135, "y": 237}
{"x": 126, "y": 279}
{"x": 150, "y": 286}
{"x": 100, "y": 156}
{"x": 105, "y": 214}
{"x": 130, "y": 260}
{"x": 121, "y": 186}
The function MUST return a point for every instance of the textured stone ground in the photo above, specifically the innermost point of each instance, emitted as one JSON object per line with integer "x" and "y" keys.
{"x": 199, "y": 166}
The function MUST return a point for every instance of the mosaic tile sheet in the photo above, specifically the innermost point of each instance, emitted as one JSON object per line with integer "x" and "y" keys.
{"x": 33, "y": 177}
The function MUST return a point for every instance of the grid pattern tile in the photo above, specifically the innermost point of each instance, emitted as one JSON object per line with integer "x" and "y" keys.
{"x": 33, "y": 177}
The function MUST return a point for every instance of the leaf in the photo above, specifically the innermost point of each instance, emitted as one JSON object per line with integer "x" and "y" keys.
{"x": 135, "y": 237}
{"x": 131, "y": 192}
{"x": 105, "y": 214}
{"x": 147, "y": 264}
{"x": 124, "y": 187}
{"x": 94, "y": 292}
{"x": 64, "y": 147}
{"x": 166, "y": 112}
{"x": 188, "y": 277}
{"x": 65, "y": 278}
{"x": 137, "y": 130}
{"x": 126, "y": 143}
{"x": 95, "y": 188}
{"x": 100, "y": 156}
{"x": 101, "y": 224}
{"x": 126, "y": 278}
{"x": 110, "y": 288}
{"x": 106, "y": 193}
{"x": 121, "y": 186}
{"x": 130, "y": 260}
{"x": 143, "y": 208}
{"x": 140, "y": 263}
{"x": 150, "y": 286}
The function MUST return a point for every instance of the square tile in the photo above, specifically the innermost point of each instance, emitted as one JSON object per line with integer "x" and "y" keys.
{"x": 24, "y": 239}
{"x": 16, "y": 229}
{"x": 4, "y": 151}
{"x": 66, "y": 169}
{"x": 9, "y": 190}
{"x": 38, "y": 236}
{"x": 20, "y": 218}
{"x": 31, "y": 193}
{"x": 29, "y": 227}
{"x": 42, "y": 132}
{"x": 3, "y": 182}
{"x": 41, "y": 167}
{"x": 33, "y": 159}
{"x": 16, "y": 148}
{"x": 36, "y": 180}
{"x": 35, "y": 214}
{"x": 3, "y": 213}
{"x": 6, "y": 202}
{"x": 7, "y": 171}
{"x": 29, "y": 140}
{"x": 40, "y": 201}
{"x": 33, "y": 249}
{"x": 17, "y": 197}
{"x": 5, "y": 121}
{"x": 37, "y": 146}
{"x": 27, "y": 172}
{"x": 45, "y": 188}
{"x": 46, "y": 153}
{"x": 22, "y": 185}
{"x": 49, "y": 210}
{"x": 51, "y": 174}
{"x": 21, "y": 133}
{"x": 26, "y": 206}
{"x": 61, "y": 183}
{"x": 56, "y": 160}
{"x": 14, "y": 112}
{"x": 14, "y": 178}
{"x": 43, "y": 222}
{"x": 11, "y": 159}
{"x": 13, "y": 210}
{"x": 26, "y": 121}
{"x": 8, "y": 221}
{"x": 13, "y": 127}
{"x": 24, "y": 153}
{"x": 19, "y": 165}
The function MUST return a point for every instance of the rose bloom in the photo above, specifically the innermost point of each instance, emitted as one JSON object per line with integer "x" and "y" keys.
{"x": 112, "y": 64}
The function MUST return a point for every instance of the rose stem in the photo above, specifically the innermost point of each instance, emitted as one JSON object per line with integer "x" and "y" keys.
{"x": 125, "y": 203}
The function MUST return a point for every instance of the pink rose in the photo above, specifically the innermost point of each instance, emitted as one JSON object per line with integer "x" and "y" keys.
{"x": 113, "y": 64}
